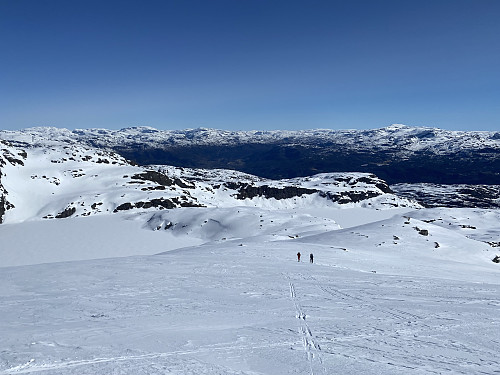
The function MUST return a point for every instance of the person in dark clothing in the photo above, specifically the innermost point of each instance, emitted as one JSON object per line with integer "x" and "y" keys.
{"x": 298, "y": 256}
{"x": 311, "y": 258}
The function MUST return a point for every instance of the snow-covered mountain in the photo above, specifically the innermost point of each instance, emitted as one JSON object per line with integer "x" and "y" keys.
{"x": 398, "y": 153}
{"x": 60, "y": 179}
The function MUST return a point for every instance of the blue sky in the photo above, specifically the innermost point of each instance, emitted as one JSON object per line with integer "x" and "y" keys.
{"x": 250, "y": 64}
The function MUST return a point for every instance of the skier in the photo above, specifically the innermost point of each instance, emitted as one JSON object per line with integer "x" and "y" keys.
{"x": 311, "y": 258}
{"x": 298, "y": 256}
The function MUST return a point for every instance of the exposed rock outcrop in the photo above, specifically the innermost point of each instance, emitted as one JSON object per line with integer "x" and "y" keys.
{"x": 2, "y": 208}
{"x": 345, "y": 197}
{"x": 158, "y": 203}
{"x": 6, "y": 156}
{"x": 70, "y": 211}
{"x": 247, "y": 191}
{"x": 162, "y": 179}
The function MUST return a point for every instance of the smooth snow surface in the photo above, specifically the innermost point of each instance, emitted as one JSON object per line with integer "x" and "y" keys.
{"x": 94, "y": 237}
{"x": 379, "y": 299}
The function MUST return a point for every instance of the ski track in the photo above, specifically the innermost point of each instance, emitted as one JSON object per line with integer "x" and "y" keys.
{"x": 392, "y": 312}
{"x": 312, "y": 349}
{"x": 396, "y": 346}
{"x": 174, "y": 364}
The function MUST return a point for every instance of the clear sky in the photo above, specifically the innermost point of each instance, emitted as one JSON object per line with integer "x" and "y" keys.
{"x": 250, "y": 64}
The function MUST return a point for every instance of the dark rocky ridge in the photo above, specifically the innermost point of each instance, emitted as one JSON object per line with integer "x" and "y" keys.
{"x": 158, "y": 203}
{"x": 7, "y": 156}
{"x": 2, "y": 207}
{"x": 162, "y": 179}
{"x": 247, "y": 191}
{"x": 349, "y": 196}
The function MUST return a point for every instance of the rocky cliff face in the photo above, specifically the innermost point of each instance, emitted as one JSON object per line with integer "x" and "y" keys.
{"x": 3, "y": 207}
{"x": 8, "y": 155}
{"x": 2, "y": 196}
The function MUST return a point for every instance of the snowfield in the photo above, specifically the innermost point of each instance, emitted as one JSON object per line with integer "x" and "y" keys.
{"x": 369, "y": 304}
{"x": 163, "y": 270}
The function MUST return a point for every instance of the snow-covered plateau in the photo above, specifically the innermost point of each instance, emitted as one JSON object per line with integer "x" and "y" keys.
{"x": 397, "y": 153}
{"x": 397, "y": 136}
{"x": 107, "y": 267}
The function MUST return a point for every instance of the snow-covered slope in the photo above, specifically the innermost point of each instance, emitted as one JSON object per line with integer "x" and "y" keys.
{"x": 473, "y": 223}
{"x": 370, "y": 304}
{"x": 412, "y": 242}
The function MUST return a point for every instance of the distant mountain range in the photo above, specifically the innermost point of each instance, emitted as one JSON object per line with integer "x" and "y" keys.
{"x": 397, "y": 154}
